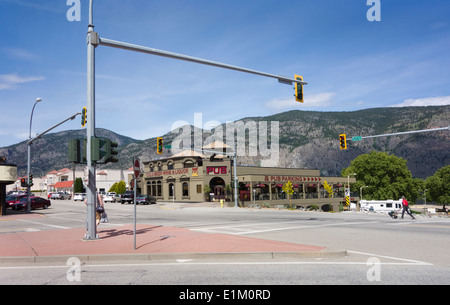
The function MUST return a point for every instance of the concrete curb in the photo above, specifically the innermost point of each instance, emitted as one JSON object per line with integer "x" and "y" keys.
{"x": 141, "y": 257}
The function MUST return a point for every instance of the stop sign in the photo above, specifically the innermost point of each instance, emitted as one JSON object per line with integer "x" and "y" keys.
{"x": 137, "y": 168}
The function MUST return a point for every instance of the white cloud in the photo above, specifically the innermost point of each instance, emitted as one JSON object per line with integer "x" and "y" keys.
{"x": 428, "y": 101}
{"x": 10, "y": 81}
{"x": 319, "y": 100}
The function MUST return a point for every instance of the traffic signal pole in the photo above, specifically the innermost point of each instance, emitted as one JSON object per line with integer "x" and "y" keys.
{"x": 91, "y": 188}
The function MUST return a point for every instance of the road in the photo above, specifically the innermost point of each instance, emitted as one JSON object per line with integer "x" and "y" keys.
{"x": 381, "y": 250}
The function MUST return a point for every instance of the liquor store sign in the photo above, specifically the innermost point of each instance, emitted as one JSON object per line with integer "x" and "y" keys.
{"x": 174, "y": 172}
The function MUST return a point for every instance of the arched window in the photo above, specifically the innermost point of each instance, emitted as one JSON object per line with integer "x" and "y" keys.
{"x": 171, "y": 190}
{"x": 185, "y": 189}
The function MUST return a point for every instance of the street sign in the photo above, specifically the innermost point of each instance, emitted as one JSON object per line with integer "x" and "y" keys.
{"x": 168, "y": 146}
{"x": 137, "y": 168}
{"x": 356, "y": 139}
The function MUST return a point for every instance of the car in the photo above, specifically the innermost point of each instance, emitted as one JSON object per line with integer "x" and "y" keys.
{"x": 36, "y": 203}
{"x": 109, "y": 197}
{"x": 79, "y": 196}
{"x": 60, "y": 195}
{"x": 127, "y": 197}
{"x": 145, "y": 199}
{"x": 12, "y": 199}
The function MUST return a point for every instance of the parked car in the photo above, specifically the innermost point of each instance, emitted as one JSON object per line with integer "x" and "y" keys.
{"x": 79, "y": 196}
{"x": 145, "y": 199}
{"x": 109, "y": 197}
{"x": 13, "y": 199}
{"x": 128, "y": 197}
{"x": 36, "y": 203}
{"x": 60, "y": 195}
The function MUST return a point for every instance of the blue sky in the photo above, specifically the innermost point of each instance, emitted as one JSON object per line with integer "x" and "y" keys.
{"x": 349, "y": 62}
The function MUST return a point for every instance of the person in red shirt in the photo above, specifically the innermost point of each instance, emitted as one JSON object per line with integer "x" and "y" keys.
{"x": 406, "y": 208}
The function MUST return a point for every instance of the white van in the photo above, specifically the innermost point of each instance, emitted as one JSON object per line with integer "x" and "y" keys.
{"x": 381, "y": 205}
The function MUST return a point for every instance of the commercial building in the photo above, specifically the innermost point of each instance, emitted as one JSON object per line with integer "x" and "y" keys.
{"x": 194, "y": 177}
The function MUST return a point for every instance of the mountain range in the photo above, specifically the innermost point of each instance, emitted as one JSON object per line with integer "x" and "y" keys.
{"x": 307, "y": 139}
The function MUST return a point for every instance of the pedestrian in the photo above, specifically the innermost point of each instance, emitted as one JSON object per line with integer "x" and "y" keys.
{"x": 406, "y": 208}
{"x": 99, "y": 209}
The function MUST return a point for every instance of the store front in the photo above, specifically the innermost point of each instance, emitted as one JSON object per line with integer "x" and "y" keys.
{"x": 194, "y": 177}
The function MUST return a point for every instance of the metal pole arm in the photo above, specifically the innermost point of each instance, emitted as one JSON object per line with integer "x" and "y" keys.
{"x": 147, "y": 50}
{"x": 51, "y": 128}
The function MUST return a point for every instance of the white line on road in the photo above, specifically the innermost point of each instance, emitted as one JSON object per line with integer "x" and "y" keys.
{"x": 44, "y": 224}
{"x": 282, "y": 228}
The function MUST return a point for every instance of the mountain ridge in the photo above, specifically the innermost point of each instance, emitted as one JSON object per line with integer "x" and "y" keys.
{"x": 308, "y": 139}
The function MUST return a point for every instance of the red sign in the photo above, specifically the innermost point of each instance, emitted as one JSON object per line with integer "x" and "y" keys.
{"x": 216, "y": 170}
{"x": 137, "y": 168}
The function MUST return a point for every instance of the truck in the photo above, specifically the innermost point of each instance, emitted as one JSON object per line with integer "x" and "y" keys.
{"x": 128, "y": 197}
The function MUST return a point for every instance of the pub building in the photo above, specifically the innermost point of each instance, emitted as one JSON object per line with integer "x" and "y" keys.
{"x": 191, "y": 176}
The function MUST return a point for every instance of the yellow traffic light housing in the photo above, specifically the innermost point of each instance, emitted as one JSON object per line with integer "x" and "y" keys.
{"x": 83, "y": 117}
{"x": 159, "y": 146}
{"x": 299, "y": 89}
{"x": 343, "y": 141}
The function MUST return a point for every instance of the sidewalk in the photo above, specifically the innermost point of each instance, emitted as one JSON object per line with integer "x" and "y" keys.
{"x": 152, "y": 242}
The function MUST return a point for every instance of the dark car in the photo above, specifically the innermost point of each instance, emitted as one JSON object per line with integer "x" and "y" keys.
{"x": 145, "y": 199}
{"x": 36, "y": 203}
{"x": 13, "y": 199}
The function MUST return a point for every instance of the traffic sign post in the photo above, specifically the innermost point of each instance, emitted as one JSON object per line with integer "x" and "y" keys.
{"x": 137, "y": 173}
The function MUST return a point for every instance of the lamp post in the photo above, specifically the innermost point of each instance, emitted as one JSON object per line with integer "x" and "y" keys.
{"x": 38, "y": 100}
{"x": 360, "y": 191}
{"x": 348, "y": 180}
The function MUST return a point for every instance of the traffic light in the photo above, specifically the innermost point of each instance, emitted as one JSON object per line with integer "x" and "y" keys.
{"x": 299, "y": 89}
{"x": 111, "y": 151}
{"x": 83, "y": 117}
{"x": 98, "y": 149}
{"x": 343, "y": 141}
{"x": 104, "y": 148}
{"x": 74, "y": 151}
{"x": 31, "y": 180}
{"x": 23, "y": 182}
{"x": 159, "y": 146}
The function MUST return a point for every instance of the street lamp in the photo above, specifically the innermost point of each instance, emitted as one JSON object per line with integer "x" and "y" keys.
{"x": 360, "y": 191}
{"x": 348, "y": 180}
{"x": 38, "y": 100}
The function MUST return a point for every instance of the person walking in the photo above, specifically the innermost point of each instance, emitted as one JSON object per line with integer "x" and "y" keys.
{"x": 406, "y": 208}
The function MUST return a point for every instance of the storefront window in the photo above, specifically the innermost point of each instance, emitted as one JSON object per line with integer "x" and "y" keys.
{"x": 159, "y": 189}
{"x": 185, "y": 189}
{"x": 171, "y": 190}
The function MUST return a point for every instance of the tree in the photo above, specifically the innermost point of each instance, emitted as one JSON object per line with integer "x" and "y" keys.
{"x": 438, "y": 186}
{"x": 288, "y": 189}
{"x": 121, "y": 187}
{"x": 386, "y": 177}
{"x": 78, "y": 186}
